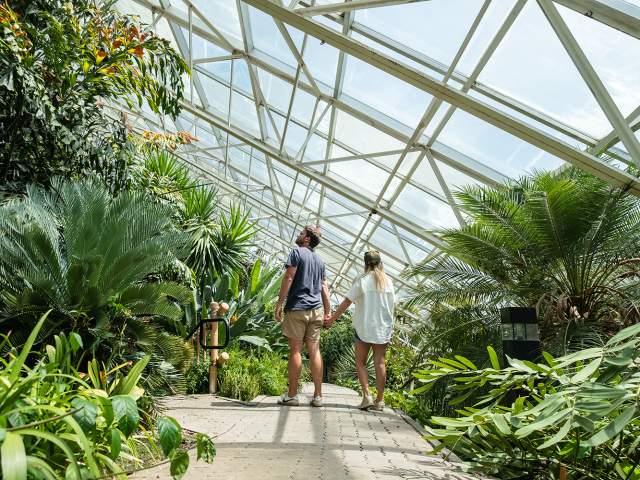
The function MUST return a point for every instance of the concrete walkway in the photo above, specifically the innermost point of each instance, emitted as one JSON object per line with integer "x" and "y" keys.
{"x": 335, "y": 442}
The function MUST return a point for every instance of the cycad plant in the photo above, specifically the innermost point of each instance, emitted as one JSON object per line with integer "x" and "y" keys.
{"x": 566, "y": 243}
{"x": 85, "y": 255}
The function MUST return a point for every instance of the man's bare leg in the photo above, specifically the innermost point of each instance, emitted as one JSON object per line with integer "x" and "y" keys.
{"x": 315, "y": 364}
{"x": 294, "y": 366}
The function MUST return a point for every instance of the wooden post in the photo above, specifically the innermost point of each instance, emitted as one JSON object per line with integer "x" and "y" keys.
{"x": 213, "y": 367}
{"x": 196, "y": 341}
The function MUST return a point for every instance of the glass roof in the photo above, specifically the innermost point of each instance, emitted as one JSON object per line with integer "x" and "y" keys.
{"x": 363, "y": 115}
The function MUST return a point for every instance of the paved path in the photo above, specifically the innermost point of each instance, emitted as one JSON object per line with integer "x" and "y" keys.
{"x": 336, "y": 442}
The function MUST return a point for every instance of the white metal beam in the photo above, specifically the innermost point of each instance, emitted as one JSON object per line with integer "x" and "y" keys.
{"x": 459, "y": 99}
{"x": 618, "y": 14}
{"x": 592, "y": 79}
{"x": 350, "y": 6}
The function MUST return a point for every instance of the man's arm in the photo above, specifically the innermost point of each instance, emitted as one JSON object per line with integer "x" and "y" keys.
{"x": 285, "y": 286}
{"x": 325, "y": 300}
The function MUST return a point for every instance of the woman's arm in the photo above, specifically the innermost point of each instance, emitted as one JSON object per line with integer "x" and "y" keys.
{"x": 341, "y": 309}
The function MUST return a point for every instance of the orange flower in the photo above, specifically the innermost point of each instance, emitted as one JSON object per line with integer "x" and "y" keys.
{"x": 101, "y": 56}
{"x": 117, "y": 44}
{"x": 139, "y": 52}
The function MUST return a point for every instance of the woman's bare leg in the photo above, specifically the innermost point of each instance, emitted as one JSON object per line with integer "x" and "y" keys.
{"x": 362, "y": 351}
{"x": 381, "y": 370}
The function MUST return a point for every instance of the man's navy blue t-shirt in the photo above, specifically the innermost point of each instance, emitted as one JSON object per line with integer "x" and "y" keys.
{"x": 306, "y": 289}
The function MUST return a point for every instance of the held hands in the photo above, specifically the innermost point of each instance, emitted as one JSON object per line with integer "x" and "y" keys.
{"x": 328, "y": 320}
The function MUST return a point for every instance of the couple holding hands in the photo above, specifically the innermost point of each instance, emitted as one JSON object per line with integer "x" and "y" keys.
{"x": 304, "y": 294}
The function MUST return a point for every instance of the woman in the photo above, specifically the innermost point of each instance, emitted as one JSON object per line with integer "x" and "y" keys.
{"x": 373, "y": 317}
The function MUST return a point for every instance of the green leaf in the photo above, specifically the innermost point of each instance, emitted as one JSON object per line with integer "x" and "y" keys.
{"x": 558, "y": 437}
{"x": 613, "y": 429}
{"x": 116, "y": 443}
{"x": 624, "y": 334}
{"x": 131, "y": 380}
{"x": 18, "y": 363}
{"x": 501, "y": 423}
{"x": 179, "y": 463}
{"x": 76, "y": 341}
{"x": 125, "y": 412}
{"x": 14, "y": 457}
{"x": 206, "y": 450}
{"x": 255, "y": 276}
{"x": 87, "y": 414}
{"x": 586, "y": 371}
{"x": 541, "y": 424}
{"x": 169, "y": 433}
{"x": 493, "y": 357}
{"x": 466, "y": 362}
{"x": 255, "y": 340}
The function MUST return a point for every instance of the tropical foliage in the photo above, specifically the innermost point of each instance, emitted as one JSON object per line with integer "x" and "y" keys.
{"x": 56, "y": 422}
{"x": 566, "y": 243}
{"x": 84, "y": 255}
{"x": 573, "y": 417}
{"x": 59, "y": 62}
{"x": 219, "y": 241}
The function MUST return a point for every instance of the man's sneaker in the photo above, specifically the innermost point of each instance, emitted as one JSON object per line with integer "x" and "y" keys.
{"x": 285, "y": 399}
{"x": 378, "y": 406}
{"x": 366, "y": 403}
{"x": 316, "y": 401}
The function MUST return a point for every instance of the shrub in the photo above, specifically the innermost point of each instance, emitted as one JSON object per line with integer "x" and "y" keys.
{"x": 56, "y": 422}
{"x": 247, "y": 374}
{"x": 335, "y": 342}
{"x": 574, "y": 417}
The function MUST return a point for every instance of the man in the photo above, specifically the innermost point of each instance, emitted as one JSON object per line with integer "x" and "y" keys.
{"x": 307, "y": 306}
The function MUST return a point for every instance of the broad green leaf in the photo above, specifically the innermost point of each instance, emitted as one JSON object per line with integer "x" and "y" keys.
{"x": 87, "y": 414}
{"x": 586, "y": 354}
{"x": 493, "y": 357}
{"x": 451, "y": 422}
{"x": 255, "y": 340}
{"x": 586, "y": 371}
{"x": 131, "y": 380}
{"x": 125, "y": 412}
{"x": 18, "y": 363}
{"x": 453, "y": 363}
{"x": 558, "y": 437}
{"x": 42, "y": 467}
{"x": 206, "y": 450}
{"x": 76, "y": 341}
{"x": 179, "y": 463}
{"x": 624, "y": 334}
{"x": 613, "y": 429}
{"x": 543, "y": 423}
{"x": 14, "y": 457}
{"x": 169, "y": 433}
{"x": 62, "y": 445}
{"x": 466, "y": 362}
{"x": 549, "y": 359}
{"x": 116, "y": 443}
{"x": 255, "y": 275}
{"x": 501, "y": 423}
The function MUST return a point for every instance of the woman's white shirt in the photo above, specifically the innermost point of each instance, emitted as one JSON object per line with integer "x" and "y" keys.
{"x": 373, "y": 316}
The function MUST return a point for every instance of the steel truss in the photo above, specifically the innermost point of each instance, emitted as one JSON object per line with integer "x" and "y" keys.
{"x": 288, "y": 187}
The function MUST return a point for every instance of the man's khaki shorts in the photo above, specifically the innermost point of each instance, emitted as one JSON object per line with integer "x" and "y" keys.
{"x": 303, "y": 325}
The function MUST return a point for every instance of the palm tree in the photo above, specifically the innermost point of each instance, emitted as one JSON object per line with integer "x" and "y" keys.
{"x": 566, "y": 243}
{"x": 85, "y": 255}
{"x": 219, "y": 242}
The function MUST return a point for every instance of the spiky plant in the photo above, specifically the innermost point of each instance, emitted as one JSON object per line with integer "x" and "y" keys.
{"x": 565, "y": 242}
{"x": 85, "y": 255}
